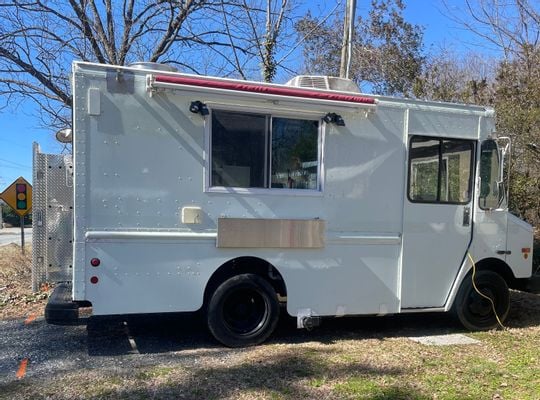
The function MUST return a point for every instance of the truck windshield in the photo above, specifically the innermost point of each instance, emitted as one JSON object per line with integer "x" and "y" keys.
{"x": 492, "y": 188}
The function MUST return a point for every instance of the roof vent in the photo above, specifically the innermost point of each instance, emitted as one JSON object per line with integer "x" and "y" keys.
{"x": 153, "y": 66}
{"x": 324, "y": 82}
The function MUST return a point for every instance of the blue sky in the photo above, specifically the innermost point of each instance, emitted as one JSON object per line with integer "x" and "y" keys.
{"x": 19, "y": 127}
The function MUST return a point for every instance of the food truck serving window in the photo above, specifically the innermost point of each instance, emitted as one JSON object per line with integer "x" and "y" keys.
{"x": 250, "y": 150}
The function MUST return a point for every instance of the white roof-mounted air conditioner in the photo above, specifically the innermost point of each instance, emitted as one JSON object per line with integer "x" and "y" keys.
{"x": 324, "y": 82}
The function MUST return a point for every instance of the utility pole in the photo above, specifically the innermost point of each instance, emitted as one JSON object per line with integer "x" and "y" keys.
{"x": 348, "y": 32}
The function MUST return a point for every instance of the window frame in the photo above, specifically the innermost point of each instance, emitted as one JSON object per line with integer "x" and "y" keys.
{"x": 441, "y": 139}
{"x": 269, "y": 114}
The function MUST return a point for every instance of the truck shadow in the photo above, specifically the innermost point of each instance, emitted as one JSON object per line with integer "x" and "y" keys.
{"x": 147, "y": 334}
{"x": 163, "y": 333}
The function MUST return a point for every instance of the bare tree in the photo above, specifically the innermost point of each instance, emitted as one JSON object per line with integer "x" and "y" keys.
{"x": 262, "y": 29}
{"x": 513, "y": 27}
{"x": 273, "y": 26}
{"x": 40, "y": 38}
{"x": 463, "y": 78}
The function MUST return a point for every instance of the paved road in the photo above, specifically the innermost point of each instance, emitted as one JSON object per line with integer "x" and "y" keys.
{"x": 13, "y": 235}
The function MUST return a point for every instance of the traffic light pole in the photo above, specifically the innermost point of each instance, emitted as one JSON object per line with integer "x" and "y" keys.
{"x": 22, "y": 234}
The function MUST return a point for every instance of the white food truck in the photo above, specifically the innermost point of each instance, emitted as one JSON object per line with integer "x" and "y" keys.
{"x": 246, "y": 199}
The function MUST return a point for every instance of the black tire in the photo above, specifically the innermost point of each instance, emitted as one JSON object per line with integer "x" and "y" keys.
{"x": 476, "y": 312}
{"x": 243, "y": 311}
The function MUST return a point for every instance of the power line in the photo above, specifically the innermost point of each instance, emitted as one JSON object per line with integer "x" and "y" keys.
{"x": 14, "y": 143}
{"x": 14, "y": 164}
{"x": 14, "y": 167}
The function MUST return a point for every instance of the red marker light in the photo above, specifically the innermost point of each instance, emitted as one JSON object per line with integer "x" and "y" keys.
{"x": 94, "y": 280}
{"x": 95, "y": 262}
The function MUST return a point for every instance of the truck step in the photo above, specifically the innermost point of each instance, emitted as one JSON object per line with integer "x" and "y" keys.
{"x": 61, "y": 309}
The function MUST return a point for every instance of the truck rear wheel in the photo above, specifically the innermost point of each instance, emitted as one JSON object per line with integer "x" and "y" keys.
{"x": 243, "y": 311}
{"x": 474, "y": 311}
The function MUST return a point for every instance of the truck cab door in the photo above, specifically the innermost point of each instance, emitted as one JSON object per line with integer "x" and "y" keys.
{"x": 437, "y": 218}
{"x": 491, "y": 219}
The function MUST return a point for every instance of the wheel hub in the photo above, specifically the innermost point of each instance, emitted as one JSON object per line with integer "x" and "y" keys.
{"x": 244, "y": 311}
{"x": 479, "y": 305}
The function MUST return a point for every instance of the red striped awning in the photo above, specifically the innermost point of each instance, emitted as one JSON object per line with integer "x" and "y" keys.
{"x": 253, "y": 88}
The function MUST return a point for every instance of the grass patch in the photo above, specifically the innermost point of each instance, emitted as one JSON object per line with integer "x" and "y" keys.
{"x": 358, "y": 388}
{"x": 317, "y": 382}
{"x": 156, "y": 372}
{"x": 367, "y": 389}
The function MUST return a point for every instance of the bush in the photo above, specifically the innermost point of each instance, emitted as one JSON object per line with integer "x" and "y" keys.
{"x": 10, "y": 218}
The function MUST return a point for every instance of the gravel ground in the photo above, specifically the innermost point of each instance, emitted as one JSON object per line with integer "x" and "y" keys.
{"x": 100, "y": 343}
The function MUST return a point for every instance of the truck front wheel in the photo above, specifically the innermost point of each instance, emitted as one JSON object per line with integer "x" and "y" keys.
{"x": 243, "y": 311}
{"x": 474, "y": 311}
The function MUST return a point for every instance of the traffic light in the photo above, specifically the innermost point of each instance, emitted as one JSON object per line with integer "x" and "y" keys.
{"x": 22, "y": 203}
{"x": 18, "y": 196}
